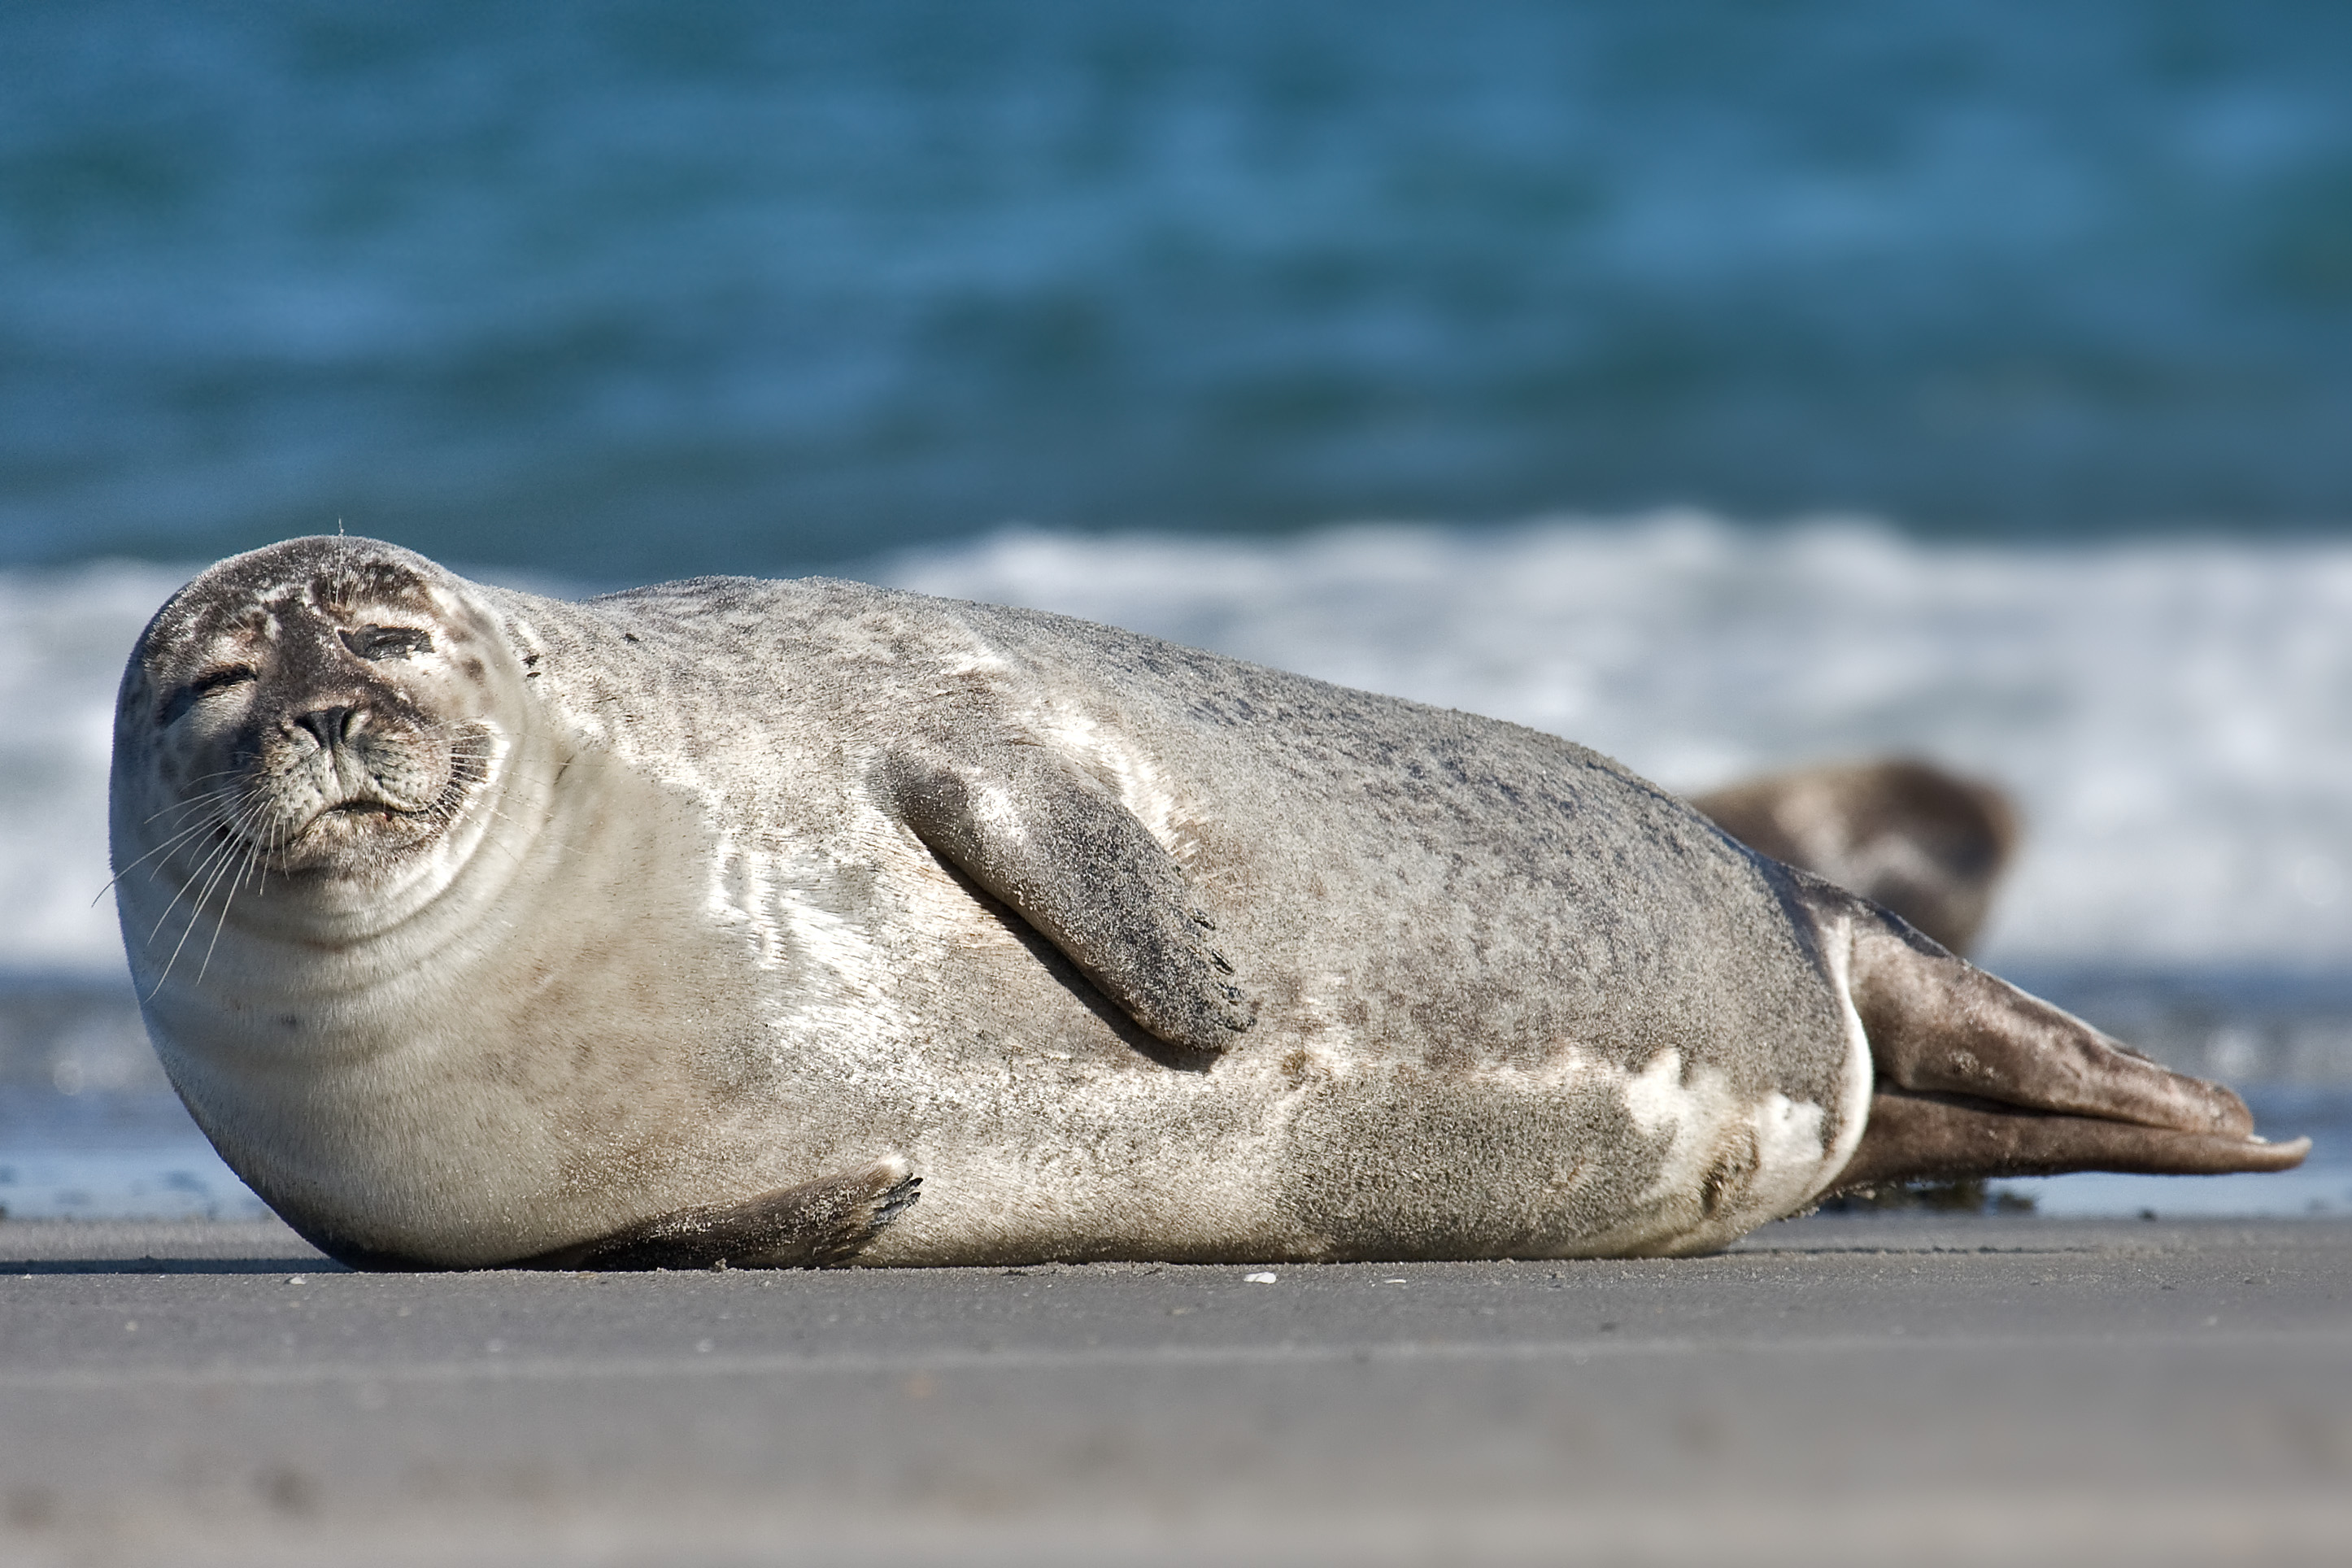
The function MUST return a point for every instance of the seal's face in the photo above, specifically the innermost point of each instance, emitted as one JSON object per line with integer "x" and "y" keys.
{"x": 321, "y": 709}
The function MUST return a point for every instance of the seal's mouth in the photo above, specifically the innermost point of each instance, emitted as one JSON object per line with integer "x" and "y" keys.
{"x": 366, "y": 796}
{"x": 341, "y": 835}
{"x": 358, "y": 812}
{"x": 382, "y": 810}
{"x": 351, "y": 835}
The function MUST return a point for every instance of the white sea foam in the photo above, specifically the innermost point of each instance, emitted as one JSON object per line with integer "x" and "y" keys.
{"x": 2176, "y": 719}
{"x": 63, "y": 637}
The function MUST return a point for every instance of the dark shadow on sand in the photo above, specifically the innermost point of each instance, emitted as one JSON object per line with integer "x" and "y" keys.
{"x": 310, "y": 1264}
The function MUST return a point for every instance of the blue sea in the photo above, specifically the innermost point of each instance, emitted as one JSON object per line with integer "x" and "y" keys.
{"x": 1726, "y": 386}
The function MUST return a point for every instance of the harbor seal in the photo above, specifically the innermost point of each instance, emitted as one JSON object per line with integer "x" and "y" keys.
{"x": 1910, "y": 837}
{"x": 699, "y": 922}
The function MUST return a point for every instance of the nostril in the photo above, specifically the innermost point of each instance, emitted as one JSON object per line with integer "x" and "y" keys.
{"x": 329, "y": 725}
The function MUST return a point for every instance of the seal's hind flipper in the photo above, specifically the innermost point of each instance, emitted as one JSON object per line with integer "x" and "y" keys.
{"x": 1085, "y": 872}
{"x": 1914, "y": 1137}
{"x": 1974, "y": 1077}
{"x": 808, "y": 1227}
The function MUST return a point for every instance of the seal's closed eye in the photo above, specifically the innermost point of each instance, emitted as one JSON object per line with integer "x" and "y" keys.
{"x": 176, "y": 705}
{"x": 378, "y": 642}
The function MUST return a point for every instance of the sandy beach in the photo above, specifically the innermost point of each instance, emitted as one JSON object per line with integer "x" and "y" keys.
{"x": 1842, "y": 1388}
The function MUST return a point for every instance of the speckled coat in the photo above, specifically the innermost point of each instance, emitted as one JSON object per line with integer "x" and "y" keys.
{"x": 1304, "y": 972}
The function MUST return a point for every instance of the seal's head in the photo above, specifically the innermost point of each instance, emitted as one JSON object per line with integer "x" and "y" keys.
{"x": 322, "y": 712}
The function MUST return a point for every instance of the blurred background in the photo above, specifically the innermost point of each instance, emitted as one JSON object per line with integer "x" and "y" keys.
{"x": 1726, "y": 386}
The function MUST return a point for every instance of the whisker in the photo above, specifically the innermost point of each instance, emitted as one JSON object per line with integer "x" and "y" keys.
{"x": 192, "y": 803}
{"x": 252, "y": 850}
{"x": 251, "y": 809}
{"x": 195, "y": 917}
{"x": 169, "y": 843}
{"x": 211, "y": 869}
{"x": 227, "y": 798}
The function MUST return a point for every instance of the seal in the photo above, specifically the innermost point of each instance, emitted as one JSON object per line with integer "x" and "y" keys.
{"x": 698, "y": 924}
{"x": 1926, "y": 844}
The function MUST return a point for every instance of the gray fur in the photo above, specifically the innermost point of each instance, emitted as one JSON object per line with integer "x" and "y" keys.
{"x": 1419, "y": 900}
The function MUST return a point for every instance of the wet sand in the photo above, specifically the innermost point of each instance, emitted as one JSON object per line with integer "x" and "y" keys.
{"x": 1851, "y": 1388}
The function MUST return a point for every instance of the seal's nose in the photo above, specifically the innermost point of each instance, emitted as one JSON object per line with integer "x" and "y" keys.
{"x": 329, "y": 725}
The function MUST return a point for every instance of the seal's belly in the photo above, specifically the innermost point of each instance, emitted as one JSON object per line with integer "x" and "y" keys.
{"x": 1310, "y": 1160}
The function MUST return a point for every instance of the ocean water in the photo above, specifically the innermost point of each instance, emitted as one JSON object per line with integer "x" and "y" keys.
{"x": 1750, "y": 385}
{"x": 631, "y": 291}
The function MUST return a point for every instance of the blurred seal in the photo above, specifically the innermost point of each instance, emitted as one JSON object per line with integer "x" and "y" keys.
{"x": 1917, "y": 840}
{"x": 692, "y": 923}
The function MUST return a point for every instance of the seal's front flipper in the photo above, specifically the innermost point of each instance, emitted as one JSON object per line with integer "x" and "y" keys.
{"x": 807, "y": 1226}
{"x": 1088, "y": 876}
{"x": 1974, "y": 1078}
